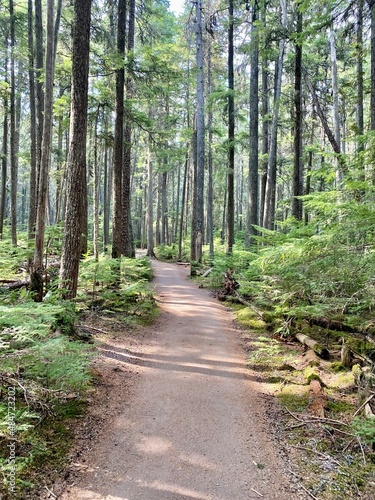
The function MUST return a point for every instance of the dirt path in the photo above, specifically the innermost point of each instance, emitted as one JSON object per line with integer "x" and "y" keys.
{"x": 194, "y": 426}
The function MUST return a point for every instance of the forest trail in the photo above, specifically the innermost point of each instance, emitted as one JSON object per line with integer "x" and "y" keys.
{"x": 194, "y": 426}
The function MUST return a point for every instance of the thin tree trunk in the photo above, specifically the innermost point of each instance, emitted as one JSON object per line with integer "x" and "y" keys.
{"x": 371, "y": 4}
{"x": 252, "y": 208}
{"x": 164, "y": 215}
{"x": 106, "y": 198}
{"x": 200, "y": 139}
{"x": 231, "y": 132}
{"x": 39, "y": 61}
{"x": 96, "y": 187}
{"x": 298, "y": 133}
{"x": 265, "y": 125}
{"x": 117, "y": 222}
{"x": 270, "y": 196}
{"x": 37, "y": 279}
{"x": 33, "y": 136}
{"x": 336, "y": 113}
{"x": 76, "y": 180}
{"x": 360, "y": 111}
{"x": 128, "y": 243}
{"x": 4, "y": 156}
{"x": 184, "y": 189}
{"x": 13, "y": 131}
{"x": 150, "y": 205}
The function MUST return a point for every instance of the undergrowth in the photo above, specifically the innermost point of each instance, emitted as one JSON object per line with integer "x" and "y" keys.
{"x": 45, "y": 364}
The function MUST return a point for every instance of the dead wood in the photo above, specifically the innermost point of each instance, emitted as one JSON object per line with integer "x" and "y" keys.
{"x": 248, "y": 304}
{"x": 15, "y": 285}
{"x": 318, "y": 399}
{"x": 320, "y": 350}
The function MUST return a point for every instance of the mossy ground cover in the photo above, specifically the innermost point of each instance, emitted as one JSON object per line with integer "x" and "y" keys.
{"x": 45, "y": 363}
{"x": 332, "y": 457}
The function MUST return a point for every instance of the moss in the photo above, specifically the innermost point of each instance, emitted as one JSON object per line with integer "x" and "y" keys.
{"x": 246, "y": 317}
{"x": 295, "y": 398}
{"x": 337, "y": 367}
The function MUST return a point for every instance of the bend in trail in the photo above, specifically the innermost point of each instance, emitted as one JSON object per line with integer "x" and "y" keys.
{"x": 194, "y": 427}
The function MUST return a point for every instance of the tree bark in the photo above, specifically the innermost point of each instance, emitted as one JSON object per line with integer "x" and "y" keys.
{"x": 33, "y": 136}
{"x": 150, "y": 205}
{"x": 371, "y": 4}
{"x": 252, "y": 209}
{"x": 231, "y": 132}
{"x": 200, "y": 139}
{"x": 298, "y": 133}
{"x": 128, "y": 243}
{"x": 13, "y": 128}
{"x": 4, "y": 156}
{"x": 39, "y": 61}
{"x": 36, "y": 279}
{"x": 270, "y": 195}
{"x": 76, "y": 180}
{"x": 117, "y": 221}
{"x": 335, "y": 97}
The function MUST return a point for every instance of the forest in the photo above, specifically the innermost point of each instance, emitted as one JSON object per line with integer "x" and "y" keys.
{"x": 237, "y": 136}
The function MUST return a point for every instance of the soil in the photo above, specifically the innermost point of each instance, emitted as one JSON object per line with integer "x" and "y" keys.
{"x": 176, "y": 414}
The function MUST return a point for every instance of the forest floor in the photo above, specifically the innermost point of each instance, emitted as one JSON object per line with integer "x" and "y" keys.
{"x": 175, "y": 412}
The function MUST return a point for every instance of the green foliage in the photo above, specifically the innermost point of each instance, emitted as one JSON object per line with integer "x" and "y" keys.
{"x": 365, "y": 428}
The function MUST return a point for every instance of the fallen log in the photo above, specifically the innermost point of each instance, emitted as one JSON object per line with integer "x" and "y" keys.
{"x": 15, "y": 285}
{"x": 320, "y": 350}
{"x": 248, "y": 304}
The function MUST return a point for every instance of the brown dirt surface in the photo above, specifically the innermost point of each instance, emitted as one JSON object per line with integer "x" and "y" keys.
{"x": 176, "y": 414}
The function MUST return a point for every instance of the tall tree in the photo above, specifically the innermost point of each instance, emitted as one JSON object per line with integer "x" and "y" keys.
{"x": 127, "y": 243}
{"x": 371, "y": 4}
{"x": 298, "y": 165}
{"x": 33, "y": 124}
{"x": 231, "y": 131}
{"x": 270, "y": 195}
{"x": 37, "y": 278}
{"x": 252, "y": 210}
{"x": 200, "y": 136}
{"x": 76, "y": 179}
{"x": 4, "y": 156}
{"x": 13, "y": 127}
{"x": 117, "y": 222}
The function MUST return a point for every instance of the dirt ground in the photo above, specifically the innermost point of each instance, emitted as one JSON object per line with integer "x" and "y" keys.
{"x": 178, "y": 415}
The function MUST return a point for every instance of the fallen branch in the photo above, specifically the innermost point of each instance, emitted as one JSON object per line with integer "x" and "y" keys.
{"x": 321, "y": 351}
{"x": 92, "y": 329}
{"x": 248, "y": 304}
{"x": 305, "y": 489}
{"x": 364, "y": 404}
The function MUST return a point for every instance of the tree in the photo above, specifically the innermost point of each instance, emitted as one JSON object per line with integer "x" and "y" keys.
{"x": 252, "y": 211}
{"x": 36, "y": 277}
{"x": 231, "y": 132}
{"x": 117, "y": 223}
{"x": 200, "y": 139}
{"x": 127, "y": 232}
{"x": 298, "y": 134}
{"x": 76, "y": 180}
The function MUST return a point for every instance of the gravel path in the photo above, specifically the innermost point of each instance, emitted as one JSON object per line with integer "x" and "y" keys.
{"x": 194, "y": 426}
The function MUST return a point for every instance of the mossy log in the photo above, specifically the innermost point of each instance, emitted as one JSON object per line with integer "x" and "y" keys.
{"x": 320, "y": 350}
{"x": 318, "y": 399}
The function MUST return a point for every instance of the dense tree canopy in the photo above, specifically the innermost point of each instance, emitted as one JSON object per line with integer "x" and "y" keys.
{"x": 254, "y": 115}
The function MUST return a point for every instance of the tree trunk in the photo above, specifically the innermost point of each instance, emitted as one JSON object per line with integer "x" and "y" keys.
{"x": 36, "y": 279}
{"x": 128, "y": 244}
{"x": 4, "y": 156}
{"x": 252, "y": 209}
{"x": 76, "y": 180}
{"x": 200, "y": 128}
{"x": 265, "y": 126}
{"x": 184, "y": 188}
{"x": 96, "y": 182}
{"x": 360, "y": 111}
{"x": 231, "y": 131}
{"x": 270, "y": 196}
{"x": 298, "y": 133}
{"x": 117, "y": 221}
{"x": 39, "y": 58}
{"x": 13, "y": 131}
{"x": 33, "y": 137}
{"x": 371, "y": 4}
{"x": 335, "y": 97}
{"x": 150, "y": 205}
{"x": 210, "y": 183}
